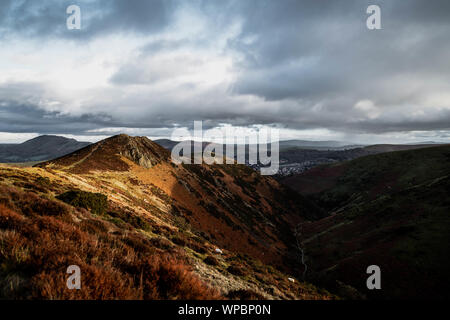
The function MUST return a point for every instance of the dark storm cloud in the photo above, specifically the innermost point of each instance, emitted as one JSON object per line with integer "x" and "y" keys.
{"x": 22, "y": 110}
{"x": 322, "y": 52}
{"x": 47, "y": 19}
{"x": 29, "y": 118}
{"x": 309, "y": 48}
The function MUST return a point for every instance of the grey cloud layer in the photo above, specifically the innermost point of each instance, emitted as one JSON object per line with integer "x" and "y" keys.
{"x": 309, "y": 62}
{"x": 43, "y": 19}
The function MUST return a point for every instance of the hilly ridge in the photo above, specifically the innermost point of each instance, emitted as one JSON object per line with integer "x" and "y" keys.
{"x": 233, "y": 204}
{"x": 125, "y": 193}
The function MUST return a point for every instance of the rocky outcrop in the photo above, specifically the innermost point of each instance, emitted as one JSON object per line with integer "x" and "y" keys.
{"x": 107, "y": 155}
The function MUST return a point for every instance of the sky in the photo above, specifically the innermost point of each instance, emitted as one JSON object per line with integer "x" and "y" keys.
{"x": 312, "y": 69}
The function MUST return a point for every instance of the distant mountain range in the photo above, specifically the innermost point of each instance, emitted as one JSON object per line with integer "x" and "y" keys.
{"x": 38, "y": 149}
{"x": 317, "y": 145}
{"x": 284, "y": 145}
{"x": 296, "y": 156}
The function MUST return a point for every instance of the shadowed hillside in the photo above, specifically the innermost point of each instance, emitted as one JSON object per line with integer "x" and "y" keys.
{"x": 390, "y": 210}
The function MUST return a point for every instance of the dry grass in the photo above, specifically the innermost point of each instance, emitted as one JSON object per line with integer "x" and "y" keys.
{"x": 125, "y": 253}
{"x": 39, "y": 240}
